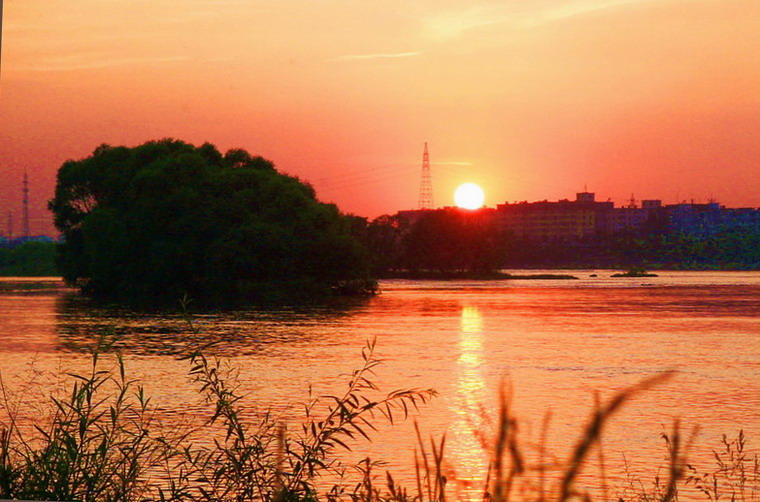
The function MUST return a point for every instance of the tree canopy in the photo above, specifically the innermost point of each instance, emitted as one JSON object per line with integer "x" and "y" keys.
{"x": 442, "y": 242}
{"x": 152, "y": 223}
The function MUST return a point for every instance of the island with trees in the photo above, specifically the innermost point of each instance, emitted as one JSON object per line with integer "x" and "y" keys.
{"x": 166, "y": 220}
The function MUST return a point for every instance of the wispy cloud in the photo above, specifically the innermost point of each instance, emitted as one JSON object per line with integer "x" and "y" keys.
{"x": 382, "y": 55}
{"x": 522, "y": 15}
{"x": 453, "y": 24}
{"x": 100, "y": 63}
{"x": 585, "y": 7}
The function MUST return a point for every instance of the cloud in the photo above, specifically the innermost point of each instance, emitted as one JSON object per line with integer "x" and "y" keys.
{"x": 517, "y": 16}
{"x": 565, "y": 11}
{"x": 363, "y": 57}
{"x": 452, "y": 24}
{"x": 101, "y": 63}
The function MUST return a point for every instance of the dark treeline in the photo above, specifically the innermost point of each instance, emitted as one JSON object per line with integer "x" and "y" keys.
{"x": 728, "y": 250}
{"x": 31, "y": 259}
{"x": 454, "y": 241}
{"x": 439, "y": 241}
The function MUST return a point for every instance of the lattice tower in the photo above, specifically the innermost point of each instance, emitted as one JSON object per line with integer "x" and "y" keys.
{"x": 25, "y": 215}
{"x": 632, "y": 202}
{"x": 426, "y": 186}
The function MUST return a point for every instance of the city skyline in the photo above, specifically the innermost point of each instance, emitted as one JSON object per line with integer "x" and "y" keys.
{"x": 25, "y": 226}
{"x": 530, "y": 100}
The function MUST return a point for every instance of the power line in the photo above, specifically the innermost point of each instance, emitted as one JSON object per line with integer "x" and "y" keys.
{"x": 350, "y": 182}
{"x": 364, "y": 173}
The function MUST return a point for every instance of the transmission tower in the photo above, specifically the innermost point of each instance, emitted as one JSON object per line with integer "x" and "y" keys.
{"x": 25, "y": 214}
{"x": 632, "y": 202}
{"x": 10, "y": 226}
{"x": 426, "y": 187}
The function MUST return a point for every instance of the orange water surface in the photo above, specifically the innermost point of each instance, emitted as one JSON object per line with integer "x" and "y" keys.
{"x": 555, "y": 344}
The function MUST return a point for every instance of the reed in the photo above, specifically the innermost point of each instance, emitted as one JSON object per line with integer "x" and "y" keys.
{"x": 104, "y": 442}
{"x": 96, "y": 446}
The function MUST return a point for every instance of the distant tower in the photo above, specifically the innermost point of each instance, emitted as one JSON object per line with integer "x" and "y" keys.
{"x": 426, "y": 187}
{"x": 25, "y": 214}
{"x": 631, "y": 203}
{"x": 10, "y": 226}
{"x": 1, "y": 33}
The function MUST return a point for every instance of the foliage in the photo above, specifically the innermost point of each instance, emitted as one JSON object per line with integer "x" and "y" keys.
{"x": 105, "y": 442}
{"x": 454, "y": 240}
{"x": 97, "y": 447}
{"x": 31, "y": 259}
{"x": 262, "y": 462}
{"x": 441, "y": 241}
{"x": 152, "y": 223}
{"x": 727, "y": 249}
{"x": 382, "y": 237}
{"x": 736, "y": 475}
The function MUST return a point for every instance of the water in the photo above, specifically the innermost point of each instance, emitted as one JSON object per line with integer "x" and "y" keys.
{"x": 553, "y": 343}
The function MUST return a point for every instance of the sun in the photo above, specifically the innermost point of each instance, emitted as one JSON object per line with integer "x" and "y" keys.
{"x": 469, "y": 196}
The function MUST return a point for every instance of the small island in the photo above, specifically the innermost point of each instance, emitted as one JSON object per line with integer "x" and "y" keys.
{"x": 634, "y": 272}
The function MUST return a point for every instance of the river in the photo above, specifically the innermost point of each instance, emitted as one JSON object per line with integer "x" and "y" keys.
{"x": 554, "y": 344}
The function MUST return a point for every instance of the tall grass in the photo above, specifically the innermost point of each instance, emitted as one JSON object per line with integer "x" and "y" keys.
{"x": 103, "y": 441}
{"x": 97, "y": 445}
{"x": 261, "y": 461}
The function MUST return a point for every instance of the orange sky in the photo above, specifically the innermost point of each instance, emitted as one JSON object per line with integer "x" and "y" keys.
{"x": 532, "y": 99}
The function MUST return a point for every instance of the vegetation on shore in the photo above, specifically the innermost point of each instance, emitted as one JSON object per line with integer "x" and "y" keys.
{"x": 31, "y": 259}
{"x": 634, "y": 272}
{"x": 165, "y": 219}
{"x": 456, "y": 242}
{"x": 438, "y": 242}
{"x": 104, "y": 441}
{"x": 652, "y": 249}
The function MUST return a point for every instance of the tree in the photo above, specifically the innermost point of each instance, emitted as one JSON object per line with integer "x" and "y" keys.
{"x": 152, "y": 223}
{"x": 454, "y": 240}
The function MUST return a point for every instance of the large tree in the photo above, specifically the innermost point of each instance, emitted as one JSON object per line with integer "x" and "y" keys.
{"x": 454, "y": 240}
{"x": 152, "y": 223}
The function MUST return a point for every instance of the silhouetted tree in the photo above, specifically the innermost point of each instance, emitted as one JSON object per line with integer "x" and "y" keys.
{"x": 155, "y": 222}
{"x": 453, "y": 240}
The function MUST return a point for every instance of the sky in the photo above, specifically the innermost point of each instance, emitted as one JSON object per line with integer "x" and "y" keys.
{"x": 531, "y": 99}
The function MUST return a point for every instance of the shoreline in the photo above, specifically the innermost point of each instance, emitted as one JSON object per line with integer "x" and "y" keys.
{"x": 480, "y": 276}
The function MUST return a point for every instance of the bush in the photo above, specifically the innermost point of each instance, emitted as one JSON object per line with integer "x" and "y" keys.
{"x": 151, "y": 224}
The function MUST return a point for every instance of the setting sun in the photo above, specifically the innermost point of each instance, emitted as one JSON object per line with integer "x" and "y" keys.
{"x": 469, "y": 196}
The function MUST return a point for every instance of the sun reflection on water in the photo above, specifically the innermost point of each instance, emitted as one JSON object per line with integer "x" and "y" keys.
{"x": 468, "y": 407}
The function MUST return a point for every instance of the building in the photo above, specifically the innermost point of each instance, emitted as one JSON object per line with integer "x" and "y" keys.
{"x": 708, "y": 219}
{"x": 584, "y": 217}
{"x": 632, "y": 217}
{"x": 556, "y": 221}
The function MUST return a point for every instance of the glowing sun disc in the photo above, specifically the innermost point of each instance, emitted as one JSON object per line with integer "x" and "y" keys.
{"x": 469, "y": 196}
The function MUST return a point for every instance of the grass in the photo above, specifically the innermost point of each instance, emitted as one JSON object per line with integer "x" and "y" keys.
{"x": 103, "y": 442}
